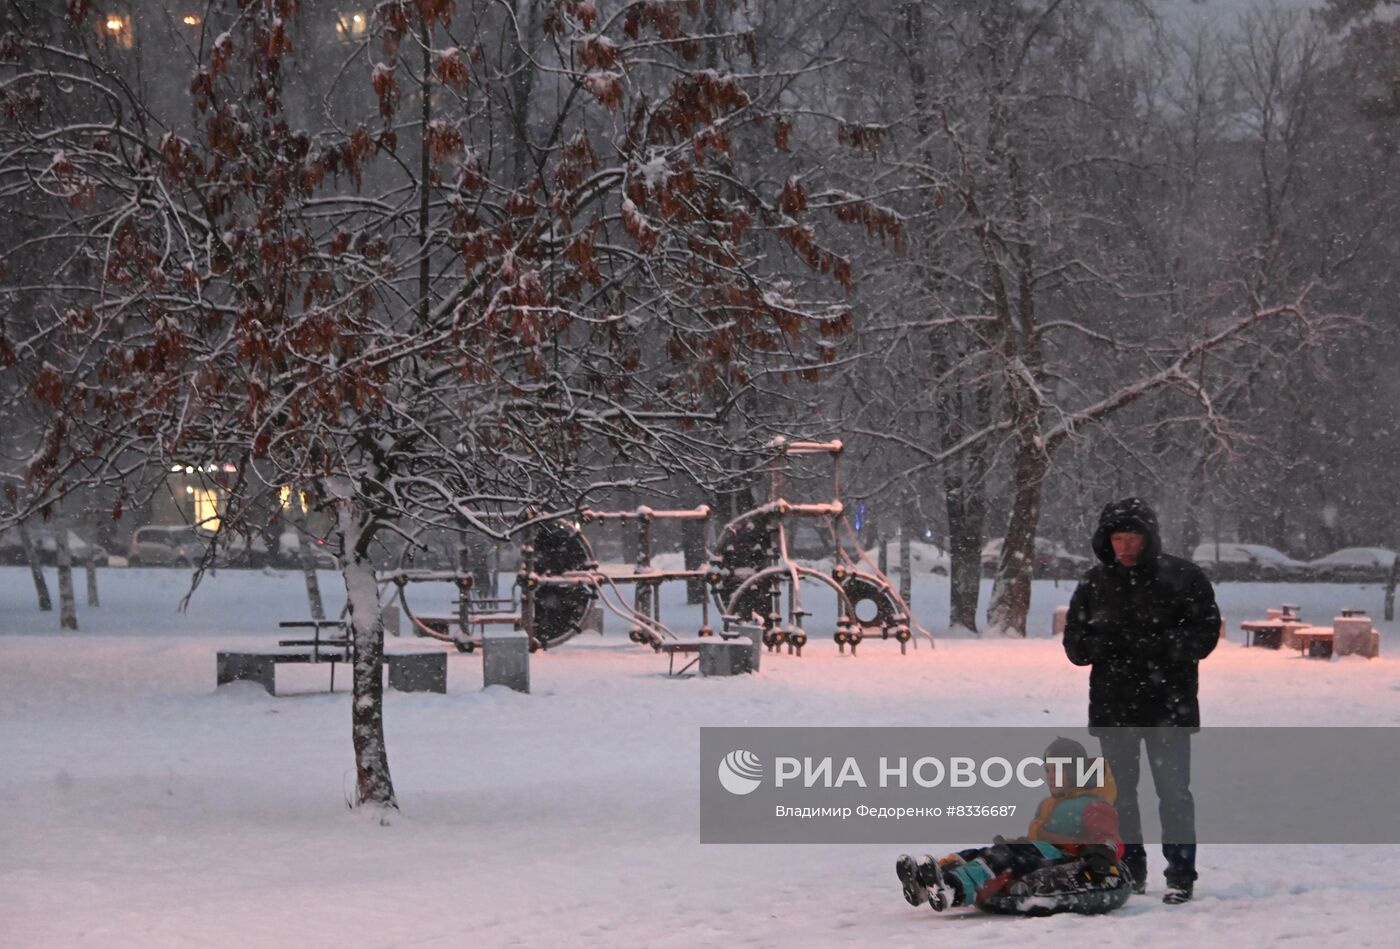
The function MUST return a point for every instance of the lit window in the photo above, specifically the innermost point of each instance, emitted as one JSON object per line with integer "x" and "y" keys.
{"x": 284, "y": 495}
{"x": 114, "y": 29}
{"x": 351, "y": 24}
{"x": 190, "y": 19}
{"x": 206, "y": 509}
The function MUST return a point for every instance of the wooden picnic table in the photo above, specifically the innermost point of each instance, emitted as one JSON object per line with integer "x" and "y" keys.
{"x": 1270, "y": 633}
{"x": 1314, "y": 641}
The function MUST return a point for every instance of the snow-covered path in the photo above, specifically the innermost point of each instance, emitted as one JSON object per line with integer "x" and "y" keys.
{"x": 138, "y": 807}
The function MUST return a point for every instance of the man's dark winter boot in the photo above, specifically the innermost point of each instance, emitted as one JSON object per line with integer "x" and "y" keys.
{"x": 915, "y": 893}
{"x": 1139, "y": 874}
{"x": 1177, "y": 893}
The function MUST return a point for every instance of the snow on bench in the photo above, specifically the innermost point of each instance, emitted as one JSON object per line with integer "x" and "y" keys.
{"x": 410, "y": 670}
{"x": 716, "y": 656}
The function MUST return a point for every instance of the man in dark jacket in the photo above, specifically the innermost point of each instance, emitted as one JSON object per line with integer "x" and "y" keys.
{"x": 1143, "y": 620}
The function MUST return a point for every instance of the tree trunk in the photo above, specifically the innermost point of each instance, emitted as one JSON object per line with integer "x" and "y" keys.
{"x": 1011, "y": 592}
{"x": 694, "y": 548}
{"x": 90, "y": 567}
{"x": 480, "y": 548}
{"x": 31, "y": 554}
{"x": 1390, "y": 584}
{"x": 908, "y": 524}
{"x": 374, "y": 784}
{"x": 67, "y": 607}
{"x": 307, "y": 559}
{"x": 628, "y": 534}
{"x": 424, "y": 170}
{"x": 522, "y": 70}
{"x": 967, "y": 515}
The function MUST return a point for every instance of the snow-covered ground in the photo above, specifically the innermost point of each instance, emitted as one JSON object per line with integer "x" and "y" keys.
{"x": 140, "y": 807}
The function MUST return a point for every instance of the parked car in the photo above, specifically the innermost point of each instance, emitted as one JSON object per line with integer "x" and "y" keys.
{"x": 1232, "y": 561}
{"x": 1354, "y": 565}
{"x": 81, "y": 550}
{"x": 929, "y": 557}
{"x": 11, "y": 550}
{"x": 1069, "y": 566}
{"x": 46, "y": 544}
{"x": 289, "y": 552}
{"x": 1052, "y": 560}
{"x": 926, "y": 557}
{"x": 165, "y": 545}
{"x": 235, "y": 550}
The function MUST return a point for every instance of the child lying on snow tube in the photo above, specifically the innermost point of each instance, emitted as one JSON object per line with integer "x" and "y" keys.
{"x": 1067, "y": 862}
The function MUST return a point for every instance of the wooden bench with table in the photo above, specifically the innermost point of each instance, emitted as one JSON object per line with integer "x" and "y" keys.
{"x": 1351, "y": 634}
{"x": 736, "y": 650}
{"x": 408, "y": 671}
{"x": 1315, "y": 642}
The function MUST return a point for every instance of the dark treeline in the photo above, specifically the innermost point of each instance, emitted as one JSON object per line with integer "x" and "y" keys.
{"x": 1024, "y": 256}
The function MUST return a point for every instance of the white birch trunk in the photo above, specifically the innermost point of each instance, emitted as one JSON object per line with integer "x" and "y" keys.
{"x": 31, "y": 554}
{"x": 374, "y": 784}
{"x": 67, "y": 608}
{"x": 307, "y": 558}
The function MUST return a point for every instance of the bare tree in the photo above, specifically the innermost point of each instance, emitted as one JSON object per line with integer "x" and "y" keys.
{"x": 258, "y": 292}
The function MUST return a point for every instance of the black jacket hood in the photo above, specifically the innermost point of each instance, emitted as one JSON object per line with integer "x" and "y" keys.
{"x": 1129, "y": 514}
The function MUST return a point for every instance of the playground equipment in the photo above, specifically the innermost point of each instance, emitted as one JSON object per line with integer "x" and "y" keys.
{"x": 752, "y": 567}
{"x": 749, "y": 576}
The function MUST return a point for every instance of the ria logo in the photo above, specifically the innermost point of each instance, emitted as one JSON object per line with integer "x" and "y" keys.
{"x": 741, "y": 772}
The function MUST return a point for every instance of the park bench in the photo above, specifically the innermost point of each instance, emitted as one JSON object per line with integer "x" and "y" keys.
{"x": 1314, "y": 641}
{"x": 408, "y": 671}
{"x": 681, "y": 647}
{"x": 1351, "y": 633}
{"x": 734, "y": 651}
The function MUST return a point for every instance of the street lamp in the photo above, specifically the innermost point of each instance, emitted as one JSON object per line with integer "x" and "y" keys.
{"x": 114, "y": 29}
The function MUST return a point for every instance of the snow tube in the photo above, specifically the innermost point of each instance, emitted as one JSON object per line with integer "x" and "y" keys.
{"x": 1064, "y": 888}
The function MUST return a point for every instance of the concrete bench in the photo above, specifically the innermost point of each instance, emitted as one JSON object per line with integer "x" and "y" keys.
{"x": 726, "y": 657}
{"x": 408, "y": 671}
{"x": 505, "y": 660}
{"x": 1354, "y": 635}
{"x": 715, "y": 655}
{"x": 260, "y": 667}
{"x": 417, "y": 671}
